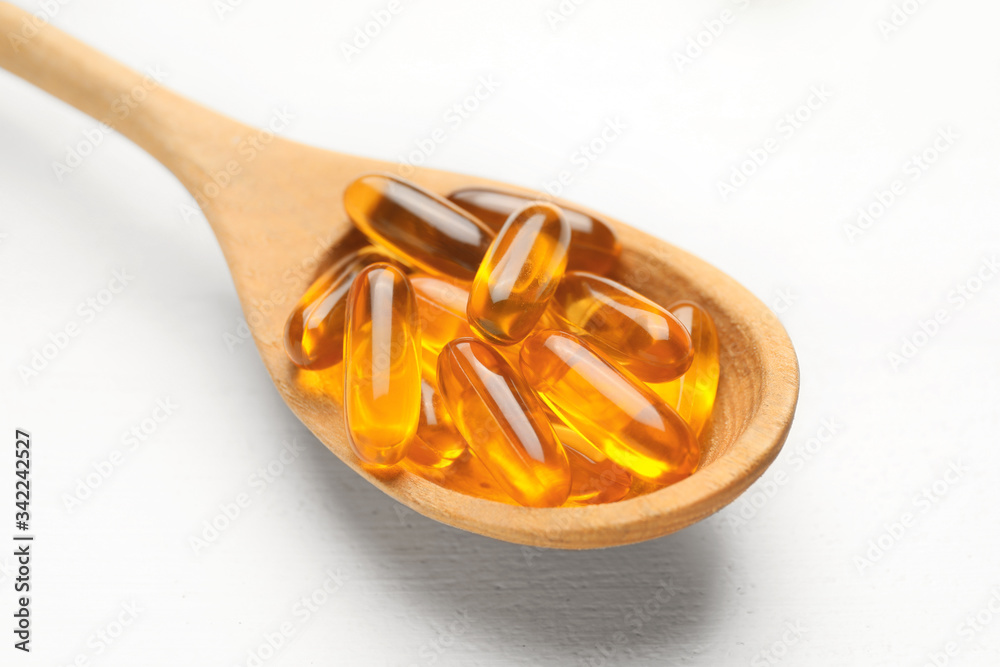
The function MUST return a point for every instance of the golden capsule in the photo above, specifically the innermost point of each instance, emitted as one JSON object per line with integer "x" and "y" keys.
{"x": 519, "y": 274}
{"x": 425, "y": 230}
{"x": 640, "y": 335}
{"x": 693, "y": 394}
{"x": 441, "y": 304}
{"x": 596, "y": 478}
{"x": 381, "y": 365}
{"x": 314, "y": 332}
{"x": 594, "y": 245}
{"x": 609, "y": 407}
{"x": 503, "y": 423}
{"x": 437, "y": 443}
{"x": 467, "y": 475}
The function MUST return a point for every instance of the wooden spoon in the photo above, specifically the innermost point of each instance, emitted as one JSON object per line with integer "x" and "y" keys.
{"x": 276, "y": 208}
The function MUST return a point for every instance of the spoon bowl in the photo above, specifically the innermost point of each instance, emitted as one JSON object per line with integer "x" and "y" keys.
{"x": 276, "y": 209}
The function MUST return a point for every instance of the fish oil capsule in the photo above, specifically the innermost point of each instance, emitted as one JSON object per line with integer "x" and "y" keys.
{"x": 519, "y": 274}
{"x": 693, "y": 394}
{"x": 640, "y": 335}
{"x": 425, "y": 230}
{"x": 596, "y": 478}
{"x": 381, "y": 365}
{"x": 437, "y": 442}
{"x": 314, "y": 332}
{"x": 503, "y": 423}
{"x": 467, "y": 475}
{"x": 594, "y": 245}
{"x": 441, "y": 304}
{"x": 609, "y": 407}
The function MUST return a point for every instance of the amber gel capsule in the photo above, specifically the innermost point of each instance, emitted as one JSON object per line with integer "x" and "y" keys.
{"x": 503, "y": 423}
{"x": 609, "y": 407}
{"x": 314, "y": 332}
{"x": 640, "y": 335}
{"x": 422, "y": 228}
{"x": 437, "y": 443}
{"x": 466, "y": 475}
{"x": 441, "y": 304}
{"x": 594, "y": 246}
{"x": 693, "y": 394}
{"x": 381, "y": 365}
{"x": 596, "y": 478}
{"x": 519, "y": 274}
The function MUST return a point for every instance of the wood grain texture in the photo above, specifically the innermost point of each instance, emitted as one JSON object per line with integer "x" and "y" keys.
{"x": 279, "y": 220}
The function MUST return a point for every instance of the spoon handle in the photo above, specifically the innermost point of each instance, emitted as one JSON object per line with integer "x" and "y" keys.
{"x": 187, "y": 138}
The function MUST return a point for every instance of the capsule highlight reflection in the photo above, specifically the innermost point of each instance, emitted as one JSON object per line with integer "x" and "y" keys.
{"x": 381, "y": 365}
{"x": 609, "y": 407}
{"x": 437, "y": 442}
{"x": 503, "y": 423}
{"x": 594, "y": 246}
{"x": 425, "y": 230}
{"x": 640, "y": 335}
{"x": 596, "y": 478}
{"x": 693, "y": 394}
{"x": 519, "y": 274}
{"x": 441, "y": 304}
{"x": 314, "y": 332}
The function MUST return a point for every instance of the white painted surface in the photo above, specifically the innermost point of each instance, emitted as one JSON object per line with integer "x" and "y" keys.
{"x": 719, "y": 593}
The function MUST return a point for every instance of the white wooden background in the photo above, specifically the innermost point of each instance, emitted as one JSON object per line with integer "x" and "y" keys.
{"x": 873, "y": 539}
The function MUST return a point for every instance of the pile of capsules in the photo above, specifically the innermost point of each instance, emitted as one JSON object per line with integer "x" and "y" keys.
{"x": 484, "y": 348}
